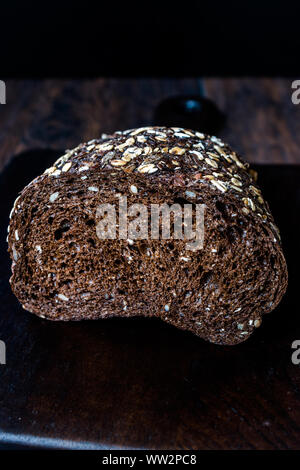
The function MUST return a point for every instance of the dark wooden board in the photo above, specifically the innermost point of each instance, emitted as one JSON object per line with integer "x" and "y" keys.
{"x": 139, "y": 383}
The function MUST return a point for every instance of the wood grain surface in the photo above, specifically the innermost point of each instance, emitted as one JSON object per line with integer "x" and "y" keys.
{"x": 262, "y": 122}
{"x": 139, "y": 383}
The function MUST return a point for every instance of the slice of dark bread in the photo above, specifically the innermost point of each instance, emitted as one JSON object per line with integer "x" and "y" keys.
{"x": 61, "y": 270}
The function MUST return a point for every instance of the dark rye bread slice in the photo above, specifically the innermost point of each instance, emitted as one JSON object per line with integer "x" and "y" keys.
{"x": 61, "y": 270}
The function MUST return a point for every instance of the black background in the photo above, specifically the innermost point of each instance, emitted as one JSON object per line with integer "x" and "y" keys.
{"x": 149, "y": 38}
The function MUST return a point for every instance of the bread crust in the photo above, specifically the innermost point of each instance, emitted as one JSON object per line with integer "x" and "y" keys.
{"x": 61, "y": 270}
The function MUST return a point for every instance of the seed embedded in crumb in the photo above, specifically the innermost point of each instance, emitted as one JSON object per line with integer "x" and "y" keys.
{"x": 257, "y": 323}
{"x": 62, "y": 297}
{"x": 133, "y": 189}
{"x": 167, "y": 308}
{"x": 93, "y": 188}
{"x": 53, "y": 197}
{"x": 15, "y": 253}
{"x": 190, "y": 194}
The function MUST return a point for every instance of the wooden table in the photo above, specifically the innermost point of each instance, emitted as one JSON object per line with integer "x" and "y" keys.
{"x": 139, "y": 383}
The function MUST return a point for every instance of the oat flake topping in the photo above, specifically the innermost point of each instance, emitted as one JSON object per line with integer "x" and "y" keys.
{"x": 154, "y": 151}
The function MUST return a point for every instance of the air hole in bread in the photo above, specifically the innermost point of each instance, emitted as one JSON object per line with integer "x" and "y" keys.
{"x": 206, "y": 278}
{"x": 64, "y": 227}
{"x": 92, "y": 242}
{"x": 90, "y": 223}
